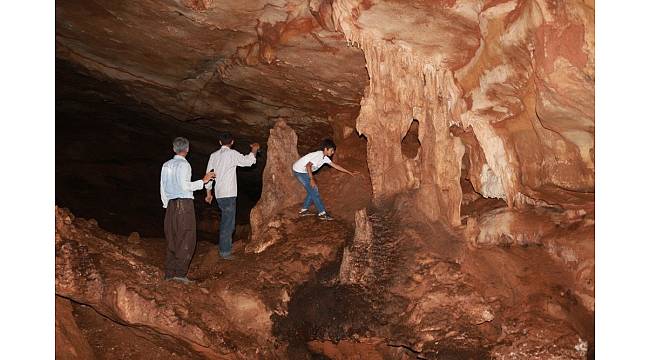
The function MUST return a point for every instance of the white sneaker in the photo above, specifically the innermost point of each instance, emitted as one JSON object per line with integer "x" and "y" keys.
{"x": 305, "y": 212}
{"x": 325, "y": 216}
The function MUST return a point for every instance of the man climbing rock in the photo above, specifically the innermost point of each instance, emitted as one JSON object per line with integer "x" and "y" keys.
{"x": 225, "y": 162}
{"x": 304, "y": 169}
{"x": 176, "y": 190}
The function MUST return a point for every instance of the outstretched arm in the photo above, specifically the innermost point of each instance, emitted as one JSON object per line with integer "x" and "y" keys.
{"x": 342, "y": 169}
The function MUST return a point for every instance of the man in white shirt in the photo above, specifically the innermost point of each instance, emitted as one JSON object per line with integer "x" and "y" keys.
{"x": 225, "y": 162}
{"x": 304, "y": 169}
{"x": 176, "y": 190}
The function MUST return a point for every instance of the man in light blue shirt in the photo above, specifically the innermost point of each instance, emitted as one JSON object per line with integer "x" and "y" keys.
{"x": 176, "y": 193}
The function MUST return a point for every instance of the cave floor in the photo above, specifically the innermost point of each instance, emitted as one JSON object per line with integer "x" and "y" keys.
{"x": 424, "y": 294}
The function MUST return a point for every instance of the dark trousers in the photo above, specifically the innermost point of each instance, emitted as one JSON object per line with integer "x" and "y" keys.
{"x": 228, "y": 208}
{"x": 180, "y": 232}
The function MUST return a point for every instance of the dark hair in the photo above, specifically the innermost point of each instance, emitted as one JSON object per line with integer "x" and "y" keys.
{"x": 226, "y": 138}
{"x": 327, "y": 144}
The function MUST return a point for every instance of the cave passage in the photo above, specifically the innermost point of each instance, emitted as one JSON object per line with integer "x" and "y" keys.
{"x": 109, "y": 150}
{"x": 463, "y": 217}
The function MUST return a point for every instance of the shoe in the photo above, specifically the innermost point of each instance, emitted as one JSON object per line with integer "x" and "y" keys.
{"x": 229, "y": 257}
{"x": 325, "y": 216}
{"x": 305, "y": 212}
{"x": 183, "y": 279}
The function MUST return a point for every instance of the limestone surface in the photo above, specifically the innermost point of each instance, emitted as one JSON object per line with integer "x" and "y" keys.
{"x": 280, "y": 189}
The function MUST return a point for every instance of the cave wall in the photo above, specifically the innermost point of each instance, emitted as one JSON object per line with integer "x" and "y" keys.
{"x": 518, "y": 75}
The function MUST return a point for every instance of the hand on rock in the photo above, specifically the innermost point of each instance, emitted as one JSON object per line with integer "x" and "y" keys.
{"x": 255, "y": 147}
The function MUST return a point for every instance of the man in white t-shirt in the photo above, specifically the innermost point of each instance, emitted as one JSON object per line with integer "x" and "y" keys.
{"x": 304, "y": 169}
{"x": 225, "y": 162}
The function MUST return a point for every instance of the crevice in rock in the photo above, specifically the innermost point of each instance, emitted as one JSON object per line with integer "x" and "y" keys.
{"x": 410, "y": 142}
{"x": 111, "y": 339}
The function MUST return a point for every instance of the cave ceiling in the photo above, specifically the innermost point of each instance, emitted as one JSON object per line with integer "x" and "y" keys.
{"x": 229, "y": 65}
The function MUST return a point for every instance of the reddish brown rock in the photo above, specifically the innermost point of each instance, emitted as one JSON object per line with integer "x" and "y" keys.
{"x": 280, "y": 189}
{"x": 355, "y": 267}
{"x": 511, "y": 105}
{"x": 482, "y": 75}
{"x": 226, "y": 314}
{"x": 83, "y": 277}
{"x": 419, "y": 287}
{"x": 70, "y": 342}
{"x": 500, "y": 93}
{"x": 216, "y": 63}
{"x": 512, "y": 227}
{"x": 573, "y": 246}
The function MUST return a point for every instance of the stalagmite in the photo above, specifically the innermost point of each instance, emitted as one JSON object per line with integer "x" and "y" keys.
{"x": 355, "y": 267}
{"x": 280, "y": 189}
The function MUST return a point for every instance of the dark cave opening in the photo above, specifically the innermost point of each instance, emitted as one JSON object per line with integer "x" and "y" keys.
{"x": 410, "y": 141}
{"x": 109, "y": 150}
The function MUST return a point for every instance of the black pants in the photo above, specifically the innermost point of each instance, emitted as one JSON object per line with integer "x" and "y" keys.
{"x": 180, "y": 232}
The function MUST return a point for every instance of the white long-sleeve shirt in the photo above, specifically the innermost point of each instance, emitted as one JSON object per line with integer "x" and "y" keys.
{"x": 175, "y": 180}
{"x": 224, "y": 162}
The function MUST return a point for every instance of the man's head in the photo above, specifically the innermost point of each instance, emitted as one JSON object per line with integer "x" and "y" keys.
{"x": 328, "y": 147}
{"x": 181, "y": 146}
{"x": 226, "y": 139}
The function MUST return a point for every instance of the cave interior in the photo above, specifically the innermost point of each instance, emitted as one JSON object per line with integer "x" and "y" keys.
{"x": 466, "y": 232}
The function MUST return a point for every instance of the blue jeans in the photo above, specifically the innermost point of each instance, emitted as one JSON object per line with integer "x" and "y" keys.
{"x": 228, "y": 208}
{"x": 312, "y": 193}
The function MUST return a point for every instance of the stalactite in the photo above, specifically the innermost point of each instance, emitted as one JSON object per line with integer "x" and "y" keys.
{"x": 405, "y": 86}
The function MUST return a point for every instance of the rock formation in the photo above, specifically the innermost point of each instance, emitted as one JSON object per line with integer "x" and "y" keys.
{"x": 70, "y": 342}
{"x": 471, "y": 122}
{"x": 494, "y": 69}
{"x": 280, "y": 189}
{"x": 226, "y": 315}
{"x": 422, "y": 289}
